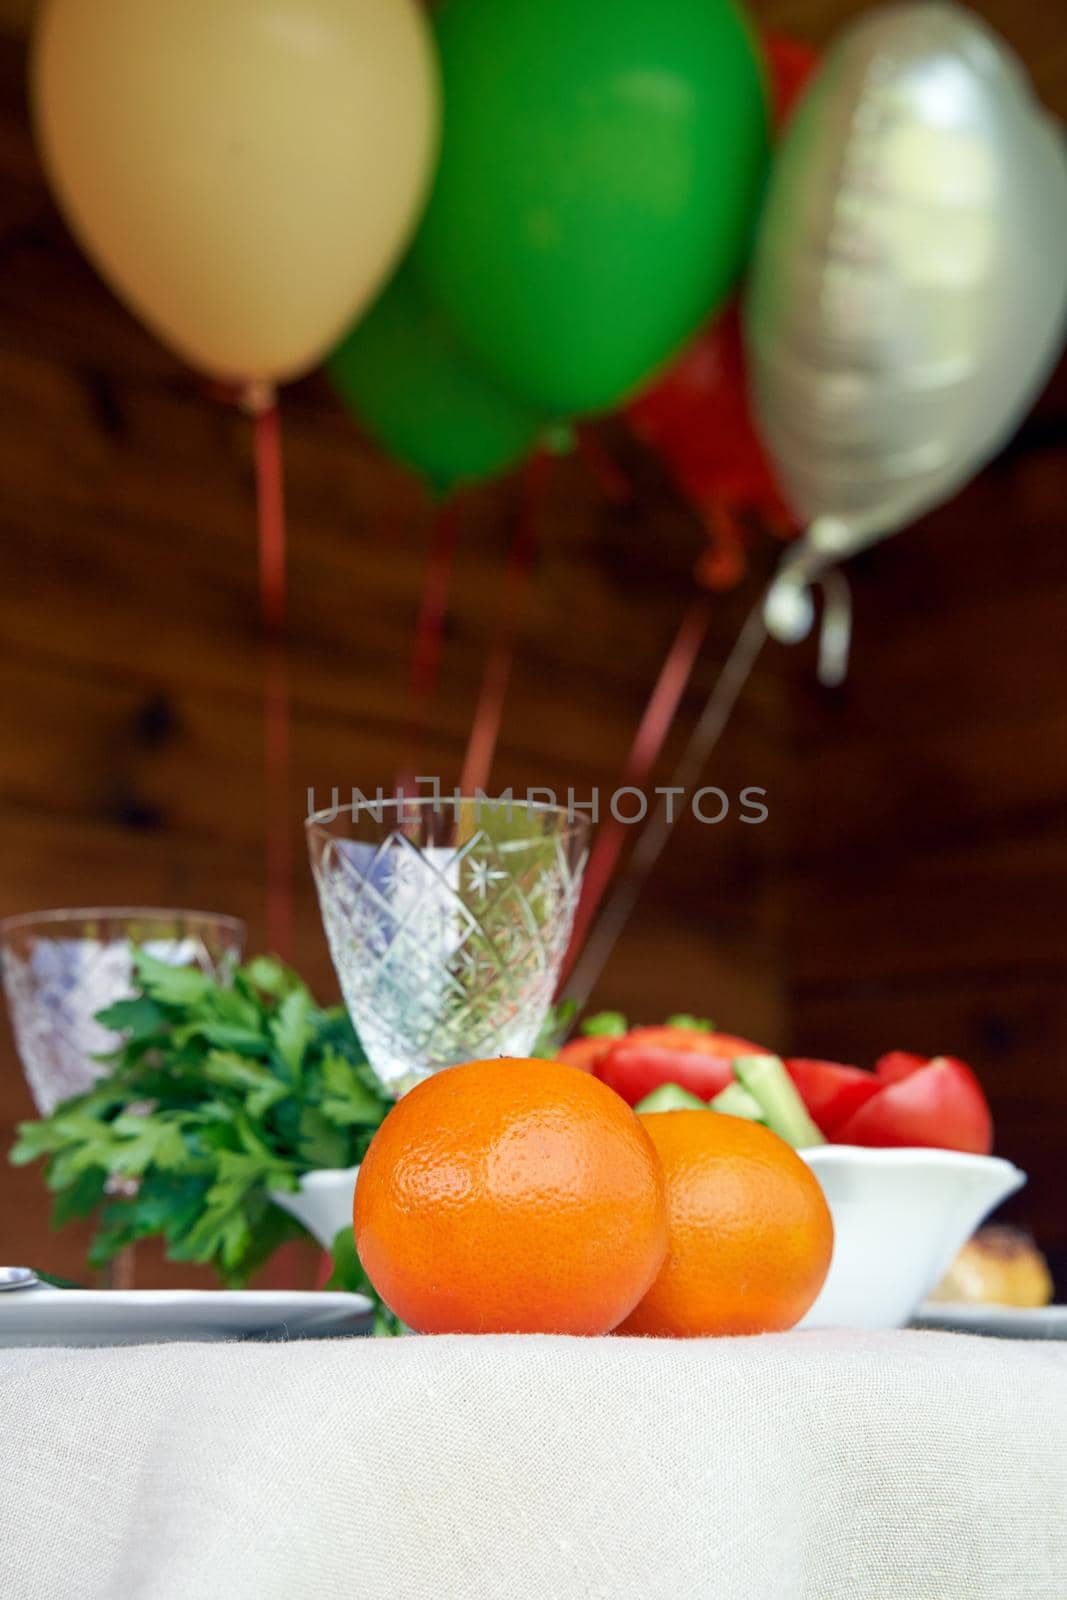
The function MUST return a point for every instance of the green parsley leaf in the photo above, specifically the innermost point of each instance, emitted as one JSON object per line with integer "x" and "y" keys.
{"x": 173, "y": 986}
{"x": 139, "y": 1018}
{"x": 222, "y": 1035}
{"x": 80, "y": 1198}
{"x": 349, "y": 1099}
{"x": 292, "y": 1030}
{"x": 143, "y": 1141}
{"x": 268, "y": 976}
{"x": 320, "y": 1143}
{"x": 259, "y": 1087}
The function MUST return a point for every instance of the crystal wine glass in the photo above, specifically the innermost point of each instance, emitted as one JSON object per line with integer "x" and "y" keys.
{"x": 447, "y": 921}
{"x": 62, "y": 967}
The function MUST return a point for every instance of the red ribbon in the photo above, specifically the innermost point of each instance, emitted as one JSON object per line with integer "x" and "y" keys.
{"x": 270, "y": 506}
{"x": 429, "y": 634}
{"x": 612, "y": 482}
{"x": 651, "y": 735}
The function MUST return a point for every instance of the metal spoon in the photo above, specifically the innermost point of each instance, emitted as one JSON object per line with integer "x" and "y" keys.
{"x": 17, "y": 1278}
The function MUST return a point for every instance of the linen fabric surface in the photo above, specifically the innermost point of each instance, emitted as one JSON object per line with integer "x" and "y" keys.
{"x": 805, "y": 1466}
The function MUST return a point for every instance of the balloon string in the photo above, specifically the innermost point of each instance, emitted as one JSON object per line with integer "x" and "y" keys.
{"x": 716, "y": 714}
{"x": 270, "y": 505}
{"x": 429, "y": 634}
{"x": 652, "y": 733}
{"x": 485, "y": 728}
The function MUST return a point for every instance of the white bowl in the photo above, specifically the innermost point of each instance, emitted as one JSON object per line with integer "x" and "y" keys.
{"x": 323, "y": 1203}
{"x": 899, "y": 1218}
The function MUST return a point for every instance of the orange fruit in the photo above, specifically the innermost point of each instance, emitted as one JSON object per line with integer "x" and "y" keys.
{"x": 750, "y": 1235}
{"x": 511, "y": 1196}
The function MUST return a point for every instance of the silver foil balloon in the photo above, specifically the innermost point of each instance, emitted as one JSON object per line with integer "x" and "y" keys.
{"x": 909, "y": 291}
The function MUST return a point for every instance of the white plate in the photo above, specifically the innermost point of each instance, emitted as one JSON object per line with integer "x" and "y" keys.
{"x": 45, "y": 1316}
{"x": 997, "y": 1322}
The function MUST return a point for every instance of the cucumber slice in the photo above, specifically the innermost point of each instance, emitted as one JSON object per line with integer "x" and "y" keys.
{"x": 671, "y": 1097}
{"x": 605, "y": 1025}
{"x": 784, "y": 1111}
{"x": 734, "y": 1101}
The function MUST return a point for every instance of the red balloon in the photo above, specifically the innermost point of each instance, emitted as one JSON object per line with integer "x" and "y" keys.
{"x": 698, "y": 421}
{"x": 697, "y": 417}
{"x": 790, "y": 63}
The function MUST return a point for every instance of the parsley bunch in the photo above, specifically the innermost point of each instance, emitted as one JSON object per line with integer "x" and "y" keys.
{"x": 217, "y": 1096}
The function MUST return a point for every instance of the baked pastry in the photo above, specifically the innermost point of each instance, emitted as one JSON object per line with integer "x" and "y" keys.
{"x": 1000, "y": 1266}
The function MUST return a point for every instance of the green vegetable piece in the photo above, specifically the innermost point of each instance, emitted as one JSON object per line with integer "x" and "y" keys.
{"x": 554, "y": 1030}
{"x": 349, "y": 1277}
{"x": 222, "y": 1035}
{"x": 349, "y": 1101}
{"x": 319, "y": 1142}
{"x": 217, "y": 1096}
{"x": 605, "y": 1025}
{"x": 671, "y": 1097}
{"x": 692, "y": 1024}
{"x": 259, "y": 1088}
{"x": 139, "y": 1018}
{"x": 57, "y": 1283}
{"x": 292, "y": 1030}
{"x": 236, "y": 1008}
{"x": 269, "y": 976}
{"x": 171, "y": 986}
{"x": 784, "y": 1111}
{"x": 80, "y": 1198}
{"x": 143, "y": 1141}
{"x": 733, "y": 1101}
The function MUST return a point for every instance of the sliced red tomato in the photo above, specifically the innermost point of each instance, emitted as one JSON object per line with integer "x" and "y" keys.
{"x": 830, "y": 1090}
{"x": 585, "y": 1053}
{"x": 898, "y": 1064}
{"x": 940, "y": 1104}
{"x": 635, "y": 1069}
{"x": 693, "y": 1039}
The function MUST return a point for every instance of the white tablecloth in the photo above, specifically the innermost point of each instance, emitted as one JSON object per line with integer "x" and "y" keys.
{"x": 912, "y": 1466}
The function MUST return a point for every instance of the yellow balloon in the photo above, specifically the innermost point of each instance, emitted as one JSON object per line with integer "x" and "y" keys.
{"x": 244, "y": 173}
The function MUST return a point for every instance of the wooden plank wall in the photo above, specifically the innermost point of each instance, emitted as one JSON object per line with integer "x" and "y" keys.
{"x": 907, "y": 890}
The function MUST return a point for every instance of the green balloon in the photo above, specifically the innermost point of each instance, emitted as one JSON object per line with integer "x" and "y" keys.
{"x": 601, "y": 171}
{"x": 421, "y": 394}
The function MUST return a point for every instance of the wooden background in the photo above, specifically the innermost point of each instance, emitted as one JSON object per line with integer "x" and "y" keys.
{"x": 907, "y": 890}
